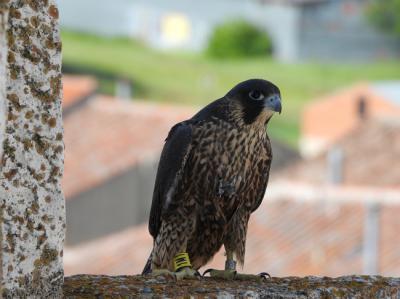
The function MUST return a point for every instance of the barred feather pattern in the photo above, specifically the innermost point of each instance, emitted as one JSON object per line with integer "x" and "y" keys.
{"x": 222, "y": 183}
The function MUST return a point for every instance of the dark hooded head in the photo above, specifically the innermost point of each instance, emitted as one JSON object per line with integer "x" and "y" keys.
{"x": 258, "y": 99}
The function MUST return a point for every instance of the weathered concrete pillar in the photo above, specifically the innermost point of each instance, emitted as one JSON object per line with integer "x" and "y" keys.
{"x": 32, "y": 205}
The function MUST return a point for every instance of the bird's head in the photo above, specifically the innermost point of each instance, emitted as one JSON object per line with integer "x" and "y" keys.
{"x": 257, "y": 99}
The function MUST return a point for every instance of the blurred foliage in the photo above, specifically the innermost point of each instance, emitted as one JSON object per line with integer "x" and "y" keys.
{"x": 238, "y": 39}
{"x": 385, "y": 14}
{"x": 193, "y": 79}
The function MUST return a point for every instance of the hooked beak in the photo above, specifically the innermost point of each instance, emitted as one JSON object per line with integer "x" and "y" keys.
{"x": 274, "y": 103}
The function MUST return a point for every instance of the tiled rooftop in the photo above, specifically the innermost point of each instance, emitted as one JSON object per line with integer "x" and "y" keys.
{"x": 296, "y": 231}
{"x": 77, "y": 88}
{"x": 107, "y": 136}
{"x": 330, "y": 118}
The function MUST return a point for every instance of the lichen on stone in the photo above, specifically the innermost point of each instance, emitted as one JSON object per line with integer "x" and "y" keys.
{"x": 135, "y": 286}
{"x": 32, "y": 203}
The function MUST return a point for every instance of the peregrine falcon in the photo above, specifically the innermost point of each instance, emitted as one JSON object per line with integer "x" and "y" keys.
{"x": 212, "y": 174}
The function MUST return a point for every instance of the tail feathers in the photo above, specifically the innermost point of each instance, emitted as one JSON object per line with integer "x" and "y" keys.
{"x": 147, "y": 267}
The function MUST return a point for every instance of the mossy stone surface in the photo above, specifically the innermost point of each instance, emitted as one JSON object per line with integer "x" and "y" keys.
{"x": 100, "y": 286}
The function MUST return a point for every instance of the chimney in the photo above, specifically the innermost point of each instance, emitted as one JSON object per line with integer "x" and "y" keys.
{"x": 371, "y": 239}
{"x": 335, "y": 165}
{"x": 362, "y": 108}
{"x": 123, "y": 89}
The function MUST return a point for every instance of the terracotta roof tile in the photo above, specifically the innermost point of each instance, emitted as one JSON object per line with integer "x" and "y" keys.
{"x": 119, "y": 253}
{"x": 77, "y": 88}
{"x": 371, "y": 157}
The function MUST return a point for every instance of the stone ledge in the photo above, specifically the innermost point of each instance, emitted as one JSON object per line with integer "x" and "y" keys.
{"x": 99, "y": 286}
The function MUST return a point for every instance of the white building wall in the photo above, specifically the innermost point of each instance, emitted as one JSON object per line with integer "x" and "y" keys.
{"x": 143, "y": 20}
{"x": 111, "y": 18}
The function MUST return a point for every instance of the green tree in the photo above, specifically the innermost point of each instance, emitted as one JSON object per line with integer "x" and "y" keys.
{"x": 385, "y": 14}
{"x": 238, "y": 39}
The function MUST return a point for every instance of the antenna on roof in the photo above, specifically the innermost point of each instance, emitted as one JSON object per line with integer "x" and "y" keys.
{"x": 362, "y": 108}
{"x": 123, "y": 89}
{"x": 371, "y": 239}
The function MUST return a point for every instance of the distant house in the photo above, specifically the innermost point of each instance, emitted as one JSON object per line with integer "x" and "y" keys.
{"x": 367, "y": 156}
{"x": 300, "y": 29}
{"x": 111, "y": 157}
{"x": 330, "y": 118}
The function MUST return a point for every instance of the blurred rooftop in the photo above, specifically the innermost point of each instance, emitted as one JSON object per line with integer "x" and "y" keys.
{"x": 77, "y": 89}
{"x": 330, "y": 118}
{"x": 108, "y": 136}
{"x": 370, "y": 156}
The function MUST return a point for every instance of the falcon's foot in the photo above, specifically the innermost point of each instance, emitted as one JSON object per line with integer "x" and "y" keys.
{"x": 184, "y": 273}
{"x": 182, "y": 266}
{"x": 223, "y": 274}
{"x": 233, "y": 275}
{"x": 187, "y": 273}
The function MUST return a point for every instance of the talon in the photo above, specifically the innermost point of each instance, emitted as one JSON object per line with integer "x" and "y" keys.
{"x": 183, "y": 273}
{"x": 264, "y": 276}
{"x": 222, "y": 274}
{"x": 207, "y": 271}
{"x": 198, "y": 274}
{"x": 187, "y": 273}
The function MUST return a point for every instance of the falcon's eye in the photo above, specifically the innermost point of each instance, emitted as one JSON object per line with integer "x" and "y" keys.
{"x": 256, "y": 95}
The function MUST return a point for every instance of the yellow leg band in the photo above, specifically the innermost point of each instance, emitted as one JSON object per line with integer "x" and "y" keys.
{"x": 181, "y": 260}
